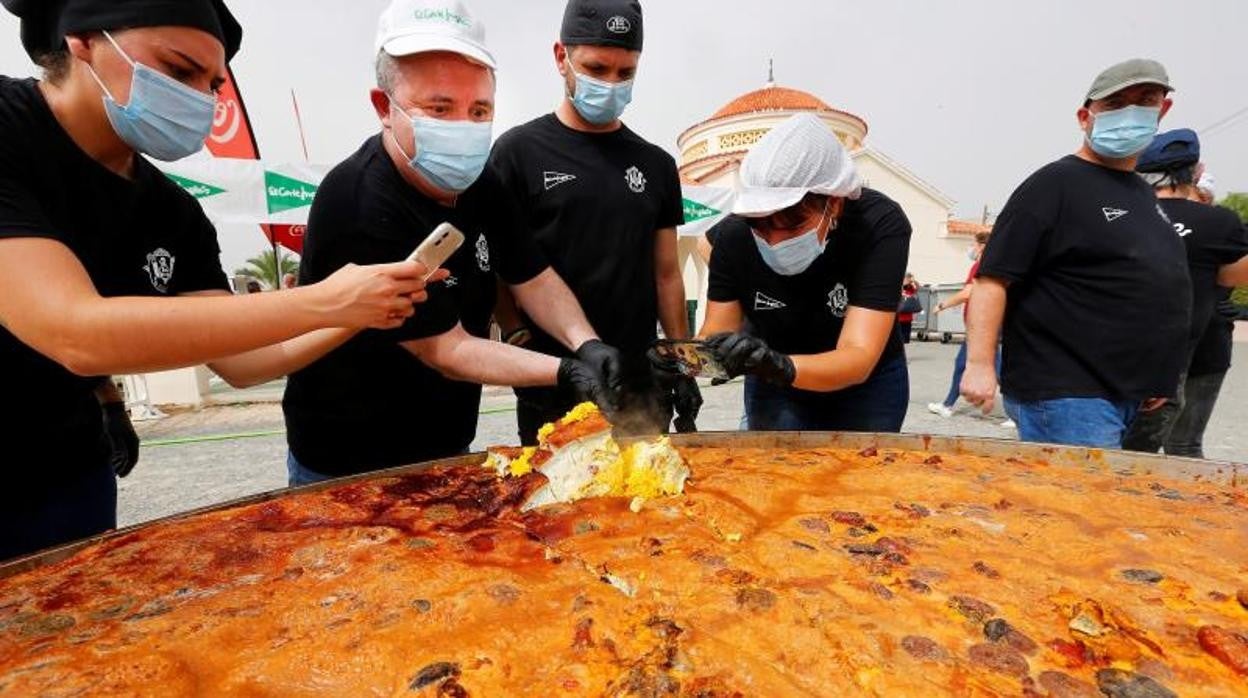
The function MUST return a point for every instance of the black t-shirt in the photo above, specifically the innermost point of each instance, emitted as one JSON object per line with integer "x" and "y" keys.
{"x": 862, "y": 266}
{"x": 135, "y": 237}
{"x": 1214, "y": 237}
{"x": 371, "y": 404}
{"x": 1214, "y": 348}
{"x": 1100, "y": 300}
{"x": 593, "y": 202}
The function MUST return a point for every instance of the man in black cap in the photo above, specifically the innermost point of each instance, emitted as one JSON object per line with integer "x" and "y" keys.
{"x": 603, "y": 204}
{"x": 1087, "y": 277}
{"x": 108, "y": 267}
{"x": 1215, "y": 240}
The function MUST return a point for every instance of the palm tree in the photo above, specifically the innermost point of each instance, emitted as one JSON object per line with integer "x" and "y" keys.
{"x": 269, "y": 267}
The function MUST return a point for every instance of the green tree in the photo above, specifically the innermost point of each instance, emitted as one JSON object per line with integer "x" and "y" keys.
{"x": 269, "y": 267}
{"x": 1238, "y": 203}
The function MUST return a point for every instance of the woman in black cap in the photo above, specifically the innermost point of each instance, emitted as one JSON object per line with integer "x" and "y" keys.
{"x": 107, "y": 267}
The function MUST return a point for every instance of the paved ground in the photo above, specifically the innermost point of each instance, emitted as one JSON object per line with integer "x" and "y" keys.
{"x": 184, "y": 465}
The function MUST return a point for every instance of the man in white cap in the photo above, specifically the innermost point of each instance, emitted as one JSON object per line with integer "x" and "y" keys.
{"x": 1087, "y": 276}
{"x": 392, "y": 398}
{"x": 603, "y": 205}
{"x": 814, "y": 261}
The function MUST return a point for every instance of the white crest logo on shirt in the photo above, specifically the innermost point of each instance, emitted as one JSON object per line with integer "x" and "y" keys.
{"x": 483, "y": 254}
{"x": 765, "y": 302}
{"x": 451, "y": 282}
{"x": 160, "y": 268}
{"x": 553, "y": 179}
{"x": 619, "y": 25}
{"x": 1113, "y": 214}
{"x": 636, "y": 180}
{"x": 838, "y": 300}
{"x": 1182, "y": 230}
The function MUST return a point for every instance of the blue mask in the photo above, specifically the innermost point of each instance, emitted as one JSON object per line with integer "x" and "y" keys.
{"x": 164, "y": 118}
{"x": 1123, "y": 132}
{"x": 451, "y": 155}
{"x": 795, "y": 255}
{"x": 600, "y": 102}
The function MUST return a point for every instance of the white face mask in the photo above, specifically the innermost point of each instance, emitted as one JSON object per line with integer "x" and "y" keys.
{"x": 795, "y": 255}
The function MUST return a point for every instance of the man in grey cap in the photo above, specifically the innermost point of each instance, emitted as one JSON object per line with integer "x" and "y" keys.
{"x": 602, "y": 204}
{"x": 1086, "y": 279}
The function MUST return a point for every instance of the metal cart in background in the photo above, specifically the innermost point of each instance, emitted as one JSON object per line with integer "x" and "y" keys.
{"x": 929, "y": 325}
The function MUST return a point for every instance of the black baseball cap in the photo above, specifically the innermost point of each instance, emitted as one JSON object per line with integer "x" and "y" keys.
{"x": 614, "y": 23}
{"x": 46, "y": 23}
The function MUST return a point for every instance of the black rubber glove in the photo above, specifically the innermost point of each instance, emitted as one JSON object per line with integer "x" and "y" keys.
{"x": 687, "y": 401}
{"x": 122, "y": 440}
{"x": 605, "y": 360}
{"x": 587, "y": 384}
{"x": 742, "y": 354}
{"x": 1232, "y": 312}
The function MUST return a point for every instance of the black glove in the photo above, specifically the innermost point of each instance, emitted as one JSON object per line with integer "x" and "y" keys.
{"x": 1232, "y": 312}
{"x": 586, "y": 384}
{"x": 742, "y": 353}
{"x": 687, "y": 401}
{"x": 605, "y": 360}
{"x": 122, "y": 441}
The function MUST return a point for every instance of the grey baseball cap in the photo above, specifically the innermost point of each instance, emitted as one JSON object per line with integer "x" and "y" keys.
{"x": 1137, "y": 71}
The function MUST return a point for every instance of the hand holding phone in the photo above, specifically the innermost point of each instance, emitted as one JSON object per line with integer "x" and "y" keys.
{"x": 437, "y": 248}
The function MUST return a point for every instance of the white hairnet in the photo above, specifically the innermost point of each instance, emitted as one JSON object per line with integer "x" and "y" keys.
{"x": 1207, "y": 185}
{"x": 799, "y": 156}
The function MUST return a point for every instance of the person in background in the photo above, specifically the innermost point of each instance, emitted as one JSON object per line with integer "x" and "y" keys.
{"x": 139, "y": 286}
{"x": 254, "y": 286}
{"x": 386, "y": 399}
{"x": 602, "y": 204}
{"x": 1215, "y": 239}
{"x": 814, "y": 261}
{"x": 908, "y": 308}
{"x": 290, "y": 280}
{"x": 963, "y": 298}
{"x": 1087, "y": 278}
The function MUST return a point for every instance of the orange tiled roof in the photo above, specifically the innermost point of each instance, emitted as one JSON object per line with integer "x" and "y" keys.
{"x": 961, "y": 227}
{"x": 772, "y": 99}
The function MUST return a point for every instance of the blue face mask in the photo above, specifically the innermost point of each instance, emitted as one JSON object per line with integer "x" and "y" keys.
{"x": 795, "y": 255}
{"x": 164, "y": 118}
{"x": 451, "y": 155}
{"x": 1123, "y": 132}
{"x": 600, "y": 102}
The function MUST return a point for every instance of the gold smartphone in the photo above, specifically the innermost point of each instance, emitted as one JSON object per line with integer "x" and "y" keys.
{"x": 438, "y": 247}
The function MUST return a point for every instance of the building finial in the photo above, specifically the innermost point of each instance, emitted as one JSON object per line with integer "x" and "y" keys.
{"x": 771, "y": 73}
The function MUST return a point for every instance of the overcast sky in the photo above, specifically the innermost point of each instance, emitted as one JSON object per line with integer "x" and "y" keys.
{"x": 971, "y": 95}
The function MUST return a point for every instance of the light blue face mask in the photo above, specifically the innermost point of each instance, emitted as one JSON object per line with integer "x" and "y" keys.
{"x": 164, "y": 118}
{"x": 795, "y": 255}
{"x": 600, "y": 102}
{"x": 450, "y": 154}
{"x": 1123, "y": 132}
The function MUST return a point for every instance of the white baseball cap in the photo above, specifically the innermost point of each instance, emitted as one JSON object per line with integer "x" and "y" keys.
{"x": 799, "y": 156}
{"x": 1208, "y": 185}
{"x": 420, "y": 26}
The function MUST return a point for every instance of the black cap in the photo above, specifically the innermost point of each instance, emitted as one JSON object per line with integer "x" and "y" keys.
{"x": 602, "y": 23}
{"x": 1170, "y": 151}
{"x": 46, "y": 23}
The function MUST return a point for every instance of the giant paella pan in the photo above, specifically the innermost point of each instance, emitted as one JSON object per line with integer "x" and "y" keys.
{"x": 792, "y": 564}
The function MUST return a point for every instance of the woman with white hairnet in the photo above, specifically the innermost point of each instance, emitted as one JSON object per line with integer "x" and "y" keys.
{"x": 814, "y": 262}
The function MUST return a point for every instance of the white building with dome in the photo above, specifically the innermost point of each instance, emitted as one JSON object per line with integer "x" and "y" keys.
{"x": 711, "y": 154}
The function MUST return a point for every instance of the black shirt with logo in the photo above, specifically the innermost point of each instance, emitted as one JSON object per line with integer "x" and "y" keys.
{"x": 592, "y": 203}
{"x": 371, "y": 404}
{"x": 1099, "y": 304}
{"x": 862, "y": 266}
{"x": 1214, "y": 237}
{"x": 135, "y": 237}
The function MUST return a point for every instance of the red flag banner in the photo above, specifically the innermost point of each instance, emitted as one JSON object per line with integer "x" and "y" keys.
{"x": 231, "y": 135}
{"x": 288, "y": 236}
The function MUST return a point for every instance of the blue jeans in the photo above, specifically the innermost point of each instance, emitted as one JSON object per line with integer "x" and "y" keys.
{"x": 879, "y": 405}
{"x": 959, "y": 367}
{"x": 1091, "y": 422}
{"x": 300, "y": 475}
